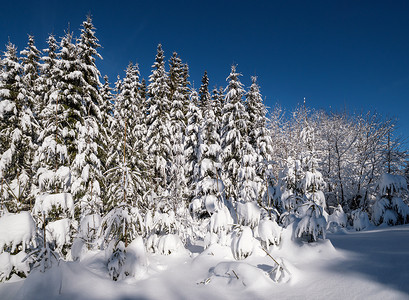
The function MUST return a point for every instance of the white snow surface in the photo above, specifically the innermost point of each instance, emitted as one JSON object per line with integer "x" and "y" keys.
{"x": 368, "y": 264}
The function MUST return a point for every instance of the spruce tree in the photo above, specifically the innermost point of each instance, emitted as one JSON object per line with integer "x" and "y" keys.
{"x": 31, "y": 79}
{"x": 16, "y": 134}
{"x": 158, "y": 134}
{"x": 192, "y": 143}
{"x": 51, "y": 159}
{"x": 178, "y": 127}
{"x": 209, "y": 189}
{"x": 234, "y": 122}
{"x": 258, "y": 134}
{"x": 127, "y": 172}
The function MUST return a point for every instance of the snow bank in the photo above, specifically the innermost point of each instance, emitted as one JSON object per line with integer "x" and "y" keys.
{"x": 16, "y": 229}
{"x": 238, "y": 274}
{"x": 46, "y": 202}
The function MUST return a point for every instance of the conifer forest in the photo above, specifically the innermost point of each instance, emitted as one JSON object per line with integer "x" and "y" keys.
{"x": 129, "y": 168}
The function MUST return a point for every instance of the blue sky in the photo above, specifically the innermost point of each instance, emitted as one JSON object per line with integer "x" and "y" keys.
{"x": 337, "y": 54}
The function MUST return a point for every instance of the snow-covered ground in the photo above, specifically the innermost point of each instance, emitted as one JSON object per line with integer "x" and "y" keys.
{"x": 370, "y": 264}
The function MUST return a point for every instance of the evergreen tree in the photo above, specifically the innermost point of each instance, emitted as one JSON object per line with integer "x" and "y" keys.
{"x": 209, "y": 189}
{"x": 31, "y": 78}
{"x": 51, "y": 159}
{"x": 16, "y": 134}
{"x": 192, "y": 143}
{"x": 71, "y": 108}
{"x": 158, "y": 135}
{"x": 178, "y": 128}
{"x": 233, "y": 132}
{"x": 218, "y": 103}
{"x": 258, "y": 134}
{"x": 127, "y": 172}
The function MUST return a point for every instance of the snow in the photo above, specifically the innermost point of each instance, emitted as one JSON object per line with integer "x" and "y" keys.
{"x": 46, "y": 202}
{"x": 170, "y": 243}
{"x": 58, "y": 232}
{"x": 248, "y": 213}
{"x": 269, "y": 232}
{"x": 360, "y": 220}
{"x": 242, "y": 243}
{"x": 89, "y": 226}
{"x": 16, "y": 229}
{"x": 391, "y": 183}
{"x": 5, "y": 105}
{"x": 360, "y": 265}
{"x": 136, "y": 260}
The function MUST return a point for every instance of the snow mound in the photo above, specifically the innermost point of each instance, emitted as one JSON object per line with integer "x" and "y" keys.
{"x": 16, "y": 229}
{"x": 136, "y": 264}
{"x": 170, "y": 243}
{"x": 239, "y": 274}
{"x": 360, "y": 219}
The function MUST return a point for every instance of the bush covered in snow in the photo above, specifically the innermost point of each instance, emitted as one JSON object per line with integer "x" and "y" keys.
{"x": 389, "y": 208}
{"x": 54, "y": 205}
{"x": 312, "y": 225}
{"x": 242, "y": 243}
{"x": 16, "y": 230}
{"x": 248, "y": 213}
{"x": 360, "y": 219}
{"x": 269, "y": 232}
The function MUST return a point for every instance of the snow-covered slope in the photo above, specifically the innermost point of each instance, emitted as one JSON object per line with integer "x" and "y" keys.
{"x": 360, "y": 265}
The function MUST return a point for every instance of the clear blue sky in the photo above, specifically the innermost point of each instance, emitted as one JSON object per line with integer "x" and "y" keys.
{"x": 338, "y": 54}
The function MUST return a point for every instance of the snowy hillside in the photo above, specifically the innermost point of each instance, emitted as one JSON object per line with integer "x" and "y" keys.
{"x": 354, "y": 265}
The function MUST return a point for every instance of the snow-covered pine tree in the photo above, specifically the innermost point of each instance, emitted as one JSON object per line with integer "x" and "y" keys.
{"x": 218, "y": 103}
{"x": 87, "y": 166}
{"x": 258, "y": 135}
{"x": 106, "y": 107}
{"x": 192, "y": 143}
{"x": 31, "y": 67}
{"x": 48, "y": 74}
{"x": 158, "y": 121}
{"x": 389, "y": 207}
{"x": 16, "y": 134}
{"x": 51, "y": 158}
{"x": 178, "y": 184}
{"x": 126, "y": 161}
{"x": 209, "y": 189}
{"x": 71, "y": 108}
{"x": 234, "y": 122}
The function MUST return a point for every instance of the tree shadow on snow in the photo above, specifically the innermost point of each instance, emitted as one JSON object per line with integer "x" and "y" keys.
{"x": 379, "y": 255}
